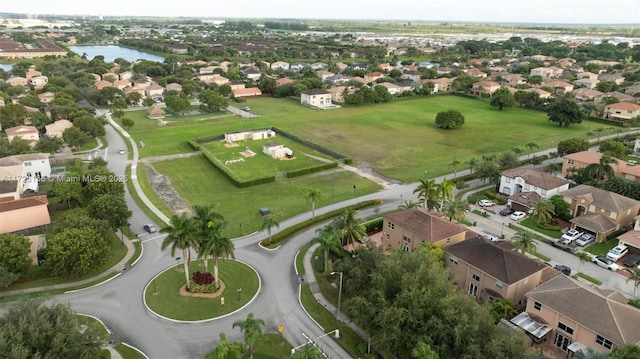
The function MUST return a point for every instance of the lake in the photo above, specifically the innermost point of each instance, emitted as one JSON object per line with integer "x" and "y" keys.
{"x": 111, "y": 53}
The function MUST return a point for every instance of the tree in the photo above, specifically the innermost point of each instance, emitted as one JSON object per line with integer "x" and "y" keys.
{"x": 313, "y": 194}
{"x": 449, "y": 119}
{"x": 69, "y": 192}
{"x": 502, "y": 98}
{"x": 408, "y": 204}
{"x": 326, "y": 240}
{"x": 31, "y": 329}
{"x": 348, "y": 227}
{"x": 445, "y": 190}
{"x": 112, "y": 208}
{"x": 268, "y": 223}
{"x": 6, "y": 278}
{"x": 227, "y": 350}
{"x": 628, "y": 351}
{"x": 601, "y": 170}
{"x": 472, "y": 164}
{"x": 182, "y": 233}
{"x": 503, "y": 309}
{"x": 217, "y": 246}
{"x": 583, "y": 257}
{"x": 252, "y": 329}
{"x": 127, "y": 123}
{"x": 427, "y": 194}
{"x": 606, "y": 86}
{"x": 613, "y": 148}
{"x": 543, "y": 209}
{"x": 508, "y": 160}
{"x": 74, "y": 137}
{"x": 565, "y": 112}
{"x": 310, "y": 351}
{"x": 455, "y": 164}
{"x": 14, "y": 253}
{"x": 424, "y": 351}
{"x": 634, "y": 275}
{"x": 589, "y": 353}
{"x": 49, "y": 144}
{"x": 206, "y": 218}
{"x": 213, "y": 101}
{"x": 531, "y": 146}
{"x": 177, "y": 104}
{"x": 524, "y": 242}
{"x": 76, "y": 251}
{"x": 572, "y": 145}
{"x": 455, "y": 209}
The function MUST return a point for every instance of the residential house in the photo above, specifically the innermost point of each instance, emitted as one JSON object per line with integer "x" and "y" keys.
{"x": 27, "y": 133}
{"x": 484, "y": 88}
{"x": 46, "y": 97}
{"x": 338, "y": 79}
{"x": 559, "y": 85}
{"x": 411, "y": 75}
{"x": 545, "y": 72}
{"x": 136, "y": 89}
{"x": 319, "y": 66}
{"x": 541, "y": 93}
{"x": 213, "y": 78}
{"x": 614, "y": 77}
{"x": 587, "y": 82}
{"x": 358, "y": 79}
{"x": 442, "y": 84}
{"x": 297, "y": 66}
{"x": 582, "y": 159}
{"x": 517, "y": 180}
{"x": 587, "y": 75}
{"x": 102, "y": 84}
{"x": 386, "y": 67}
{"x": 444, "y": 70}
{"x": 22, "y": 214}
{"x": 284, "y": 81}
{"x": 253, "y": 135}
{"x": 337, "y": 93}
{"x": 154, "y": 91}
{"x": 235, "y": 85}
{"x": 393, "y": 89}
{"x": 473, "y": 72}
{"x": 121, "y": 84}
{"x": 57, "y": 128}
{"x": 142, "y": 83}
{"x": 582, "y": 316}
{"x": 174, "y": 87}
{"x": 342, "y": 66}
{"x": 252, "y": 73}
{"x": 126, "y": 75}
{"x": 38, "y": 82}
{"x": 27, "y": 165}
{"x": 17, "y": 81}
{"x": 632, "y": 90}
{"x": 316, "y": 98}
{"x": 31, "y": 73}
{"x": 632, "y": 238}
{"x": 410, "y": 228}
{"x": 598, "y": 211}
{"x": 247, "y": 92}
{"x": 359, "y": 66}
{"x": 585, "y": 94}
{"x": 603, "y": 63}
{"x": 622, "y": 111}
{"x": 514, "y": 79}
{"x": 280, "y": 65}
{"x": 617, "y": 95}
{"x": 494, "y": 270}
{"x": 373, "y": 76}
{"x": 207, "y": 70}
{"x": 9, "y": 187}
{"x": 324, "y": 74}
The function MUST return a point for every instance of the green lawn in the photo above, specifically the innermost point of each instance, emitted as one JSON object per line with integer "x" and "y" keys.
{"x": 601, "y": 249}
{"x": 398, "y": 139}
{"x": 270, "y": 347}
{"x": 169, "y": 303}
{"x": 94, "y": 324}
{"x": 128, "y": 352}
{"x": 530, "y": 222}
{"x": 198, "y": 182}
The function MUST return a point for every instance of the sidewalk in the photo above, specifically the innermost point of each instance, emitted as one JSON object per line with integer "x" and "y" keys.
{"x": 118, "y": 267}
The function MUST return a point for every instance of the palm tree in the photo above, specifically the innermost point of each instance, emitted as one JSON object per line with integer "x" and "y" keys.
{"x": 472, "y": 164}
{"x": 634, "y": 275}
{"x": 455, "y": 209}
{"x": 203, "y": 216}
{"x": 269, "y": 222}
{"x": 216, "y": 246}
{"x": 599, "y": 130}
{"x": 313, "y": 194}
{"x": 423, "y": 351}
{"x": 445, "y": 190}
{"x": 408, "y": 204}
{"x": 427, "y": 193}
{"x": 327, "y": 241}
{"x": 601, "y": 170}
{"x": 503, "y": 309}
{"x": 181, "y": 235}
{"x": 543, "y": 209}
{"x": 524, "y": 242}
{"x": 227, "y": 350}
{"x": 531, "y": 145}
{"x": 310, "y": 351}
{"x": 628, "y": 351}
{"x": 517, "y": 151}
{"x": 554, "y": 168}
{"x": 252, "y": 329}
{"x": 589, "y": 353}
{"x": 583, "y": 257}
{"x": 348, "y": 227}
{"x": 455, "y": 164}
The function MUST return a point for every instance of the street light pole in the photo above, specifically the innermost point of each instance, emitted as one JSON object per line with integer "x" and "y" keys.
{"x": 339, "y": 294}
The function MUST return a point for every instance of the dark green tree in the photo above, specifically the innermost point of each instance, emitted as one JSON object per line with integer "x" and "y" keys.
{"x": 572, "y": 145}
{"x": 502, "y": 98}
{"x": 565, "y": 112}
{"x": 76, "y": 251}
{"x": 14, "y": 253}
{"x": 111, "y": 208}
{"x": 449, "y": 119}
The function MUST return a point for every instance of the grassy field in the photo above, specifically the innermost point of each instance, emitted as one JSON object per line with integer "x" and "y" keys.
{"x": 169, "y": 303}
{"x": 398, "y": 139}
{"x": 199, "y": 183}
{"x": 128, "y": 352}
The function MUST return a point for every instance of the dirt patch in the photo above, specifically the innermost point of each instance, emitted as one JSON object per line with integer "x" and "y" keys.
{"x": 167, "y": 194}
{"x": 184, "y": 293}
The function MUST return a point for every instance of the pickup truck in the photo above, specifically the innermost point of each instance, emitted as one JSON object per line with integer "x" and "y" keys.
{"x": 569, "y": 247}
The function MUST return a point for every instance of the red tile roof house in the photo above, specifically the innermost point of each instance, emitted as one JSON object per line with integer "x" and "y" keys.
{"x": 622, "y": 111}
{"x": 27, "y": 133}
{"x": 486, "y": 88}
{"x": 23, "y": 214}
{"x": 582, "y": 159}
{"x": 247, "y": 92}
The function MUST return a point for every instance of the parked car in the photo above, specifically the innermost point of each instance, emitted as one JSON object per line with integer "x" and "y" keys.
{"x": 571, "y": 235}
{"x": 517, "y": 215}
{"x": 491, "y": 237}
{"x": 246, "y": 108}
{"x": 632, "y": 260}
{"x": 506, "y": 211}
{"x": 563, "y": 268}
{"x": 569, "y": 246}
{"x": 617, "y": 252}
{"x": 605, "y": 262}
{"x": 586, "y": 239}
{"x": 486, "y": 203}
{"x": 150, "y": 228}
{"x": 121, "y": 151}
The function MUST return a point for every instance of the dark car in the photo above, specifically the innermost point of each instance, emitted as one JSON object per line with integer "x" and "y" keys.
{"x": 632, "y": 260}
{"x": 150, "y": 228}
{"x": 506, "y": 211}
{"x": 563, "y": 268}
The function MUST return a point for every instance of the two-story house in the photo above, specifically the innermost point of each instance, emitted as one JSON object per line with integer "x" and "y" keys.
{"x": 525, "y": 186}
{"x": 598, "y": 211}
{"x": 622, "y": 111}
{"x": 410, "y": 228}
{"x": 578, "y": 160}
{"x": 57, "y": 128}
{"x": 24, "y": 213}
{"x": 280, "y": 65}
{"x": 493, "y": 270}
{"x": 373, "y": 76}
{"x": 580, "y": 316}
{"x": 27, "y": 133}
{"x": 443, "y": 84}
{"x": 316, "y": 98}
{"x": 484, "y": 88}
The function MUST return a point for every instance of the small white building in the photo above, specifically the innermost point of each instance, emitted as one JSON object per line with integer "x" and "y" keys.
{"x": 277, "y": 150}
{"x": 236, "y": 136}
{"x": 316, "y": 98}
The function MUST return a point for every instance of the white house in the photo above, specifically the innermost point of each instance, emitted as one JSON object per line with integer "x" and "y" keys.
{"x": 280, "y": 65}
{"x": 57, "y": 128}
{"x": 519, "y": 180}
{"x": 277, "y": 150}
{"x": 316, "y": 98}
{"x": 236, "y": 136}
{"x": 27, "y": 165}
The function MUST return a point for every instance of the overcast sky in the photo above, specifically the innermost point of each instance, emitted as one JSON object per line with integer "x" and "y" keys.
{"x": 532, "y": 11}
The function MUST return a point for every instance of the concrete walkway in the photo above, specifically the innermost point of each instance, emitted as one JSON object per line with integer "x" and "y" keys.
{"x": 119, "y": 267}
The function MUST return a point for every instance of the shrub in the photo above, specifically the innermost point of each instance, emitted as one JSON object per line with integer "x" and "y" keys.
{"x": 202, "y": 278}
{"x": 449, "y": 119}
{"x": 201, "y": 288}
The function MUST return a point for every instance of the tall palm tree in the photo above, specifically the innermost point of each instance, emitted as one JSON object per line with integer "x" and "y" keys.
{"x": 423, "y": 351}
{"x": 583, "y": 257}
{"x": 543, "y": 209}
{"x": 503, "y": 309}
{"x": 455, "y": 164}
{"x": 455, "y": 209}
{"x": 327, "y": 240}
{"x": 228, "y": 350}
{"x": 589, "y": 353}
{"x": 268, "y": 223}
{"x": 217, "y": 246}
{"x": 252, "y": 329}
{"x": 524, "y": 242}
{"x": 472, "y": 164}
{"x": 203, "y": 216}
{"x": 427, "y": 194}
{"x": 445, "y": 191}
{"x": 601, "y": 170}
{"x": 628, "y": 351}
{"x": 531, "y": 145}
{"x": 310, "y": 351}
{"x": 634, "y": 275}
{"x": 554, "y": 168}
{"x": 313, "y": 194}
{"x": 348, "y": 227}
{"x": 408, "y": 204}
{"x": 181, "y": 235}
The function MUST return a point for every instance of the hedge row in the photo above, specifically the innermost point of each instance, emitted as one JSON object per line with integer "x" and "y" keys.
{"x": 287, "y": 232}
{"x": 209, "y": 138}
{"x": 237, "y": 181}
{"x": 312, "y": 169}
{"x": 316, "y": 147}
{"x": 374, "y": 225}
{"x": 195, "y": 145}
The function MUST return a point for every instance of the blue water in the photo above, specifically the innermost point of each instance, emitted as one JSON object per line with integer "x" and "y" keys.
{"x": 111, "y": 53}
{"x": 6, "y": 67}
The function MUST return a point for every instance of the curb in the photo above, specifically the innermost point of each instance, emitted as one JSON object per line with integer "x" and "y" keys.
{"x": 136, "y": 349}
{"x": 268, "y": 249}
{"x": 93, "y": 286}
{"x": 144, "y": 300}
{"x": 141, "y": 253}
{"x": 98, "y": 319}
{"x": 305, "y": 309}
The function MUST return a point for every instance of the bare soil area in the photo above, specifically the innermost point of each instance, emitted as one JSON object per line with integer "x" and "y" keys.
{"x": 167, "y": 194}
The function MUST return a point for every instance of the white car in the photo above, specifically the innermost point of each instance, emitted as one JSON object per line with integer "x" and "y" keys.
{"x": 491, "y": 237}
{"x": 605, "y": 262}
{"x": 485, "y": 203}
{"x": 570, "y": 236}
{"x": 617, "y": 252}
{"x": 517, "y": 215}
{"x": 121, "y": 151}
{"x": 586, "y": 239}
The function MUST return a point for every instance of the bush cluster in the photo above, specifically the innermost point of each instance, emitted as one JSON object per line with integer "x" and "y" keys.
{"x": 202, "y": 277}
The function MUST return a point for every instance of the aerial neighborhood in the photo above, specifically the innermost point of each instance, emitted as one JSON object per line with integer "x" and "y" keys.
{"x": 417, "y": 191}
